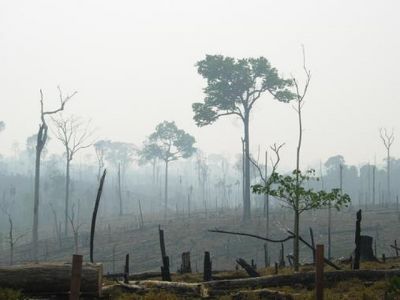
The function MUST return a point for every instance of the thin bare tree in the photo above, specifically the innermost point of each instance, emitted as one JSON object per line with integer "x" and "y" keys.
{"x": 40, "y": 143}
{"x": 75, "y": 225}
{"x": 300, "y": 94}
{"x": 387, "y": 139}
{"x": 12, "y": 239}
{"x": 75, "y": 135}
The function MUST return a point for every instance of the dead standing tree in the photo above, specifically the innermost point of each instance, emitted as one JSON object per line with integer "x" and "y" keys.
{"x": 73, "y": 134}
{"x": 12, "y": 239}
{"x": 275, "y": 148}
{"x": 75, "y": 225}
{"x": 387, "y": 139}
{"x": 40, "y": 143}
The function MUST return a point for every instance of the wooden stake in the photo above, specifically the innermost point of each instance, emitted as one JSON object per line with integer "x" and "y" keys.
{"x": 76, "y": 277}
{"x": 319, "y": 273}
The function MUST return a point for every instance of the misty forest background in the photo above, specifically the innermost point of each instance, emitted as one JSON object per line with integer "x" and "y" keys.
{"x": 167, "y": 180}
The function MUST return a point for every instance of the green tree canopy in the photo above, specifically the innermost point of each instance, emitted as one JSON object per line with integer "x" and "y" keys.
{"x": 233, "y": 86}
{"x": 286, "y": 188}
{"x": 168, "y": 143}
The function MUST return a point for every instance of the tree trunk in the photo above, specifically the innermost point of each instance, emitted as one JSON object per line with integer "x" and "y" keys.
{"x": 166, "y": 190}
{"x": 246, "y": 195}
{"x": 35, "y": 227}
{"x": 48, "y": 279}
{"x": 94, "y": 215}
{"x": 296, "y": 248}
{"x": 119, "y": 190}
{"x": 66, "y": 195}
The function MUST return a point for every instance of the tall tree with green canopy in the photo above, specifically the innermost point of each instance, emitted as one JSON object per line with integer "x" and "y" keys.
{"x": 168, "y": 143}
{"x": 233, "y": 87}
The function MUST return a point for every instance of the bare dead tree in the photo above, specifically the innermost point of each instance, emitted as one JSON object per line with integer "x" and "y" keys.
{"x": 57, "y": 229}
{"x": 75, "y": 135}
{"x": 12, "y": 239}
{"x": 40, "y": 143}
{"x": 75, "y": 225}
{"x": 387, "y": 139}
{"x": 100, "y": 153}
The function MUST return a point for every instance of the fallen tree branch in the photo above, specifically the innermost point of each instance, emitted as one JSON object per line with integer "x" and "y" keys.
{"x": 291, "y": 236}
{"x": 252, "y": 235}
{"x": 327, "y": 261}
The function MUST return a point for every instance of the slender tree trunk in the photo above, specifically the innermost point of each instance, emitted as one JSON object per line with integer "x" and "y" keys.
{"x": 296, "y": 249}
{"x": 246, "y": 200}
{"x": 388, "y": 176}
{"x": 166, "y": 190}
{"x": 119, "y": 190}
{"x": 41, "y": 140}
{"x": 373, "y": 185}
{"x": 67, "y": 181}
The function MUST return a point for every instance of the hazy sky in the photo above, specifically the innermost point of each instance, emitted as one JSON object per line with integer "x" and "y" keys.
{"x": 132, "y": 63}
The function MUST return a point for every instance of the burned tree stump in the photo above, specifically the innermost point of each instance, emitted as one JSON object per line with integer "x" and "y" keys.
{"x": 207, "y": 275}
{"x": 357, "y": 251}
{"x": 126, "y": 269}
{"x": 185, "y": 266}
{"x": 282, "y": 256}
{"x": 165, "y": 274}
{"x": 366, "y": 251}
{"x": 248, "y": 268}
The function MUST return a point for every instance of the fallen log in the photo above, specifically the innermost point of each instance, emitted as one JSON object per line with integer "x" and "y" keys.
{"x": 261, "y": 294}
{"x": 183, "y": 288}
{"x": 249, "y": 269}
{"x": 306, "y": 279}
{"x": 51, "y": 278}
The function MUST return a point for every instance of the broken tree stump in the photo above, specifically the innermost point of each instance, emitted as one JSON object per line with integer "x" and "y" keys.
{"x": 165, "y": 273}
{"x": 51, "y": 278}
{"x": 207, "y": 273}
{"x": 126, "y": 269}
{"x": 282, "y": 256}
{"x": 357, "y": 240}
{"x": 248, "y": 268}
{"x": 185, "y": 266}
{"x": 366, "y": 251}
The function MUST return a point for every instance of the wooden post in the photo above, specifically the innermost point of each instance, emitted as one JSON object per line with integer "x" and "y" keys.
{"x": 383, "y": 258}
{"x": 126, "y": 269}
{"x": 276, "y": 268}
{"x": 313, "y": 244}
{"x": 319, "y": 273}
{"x": 76, "y": 277}
{"x": 207, "y": 274}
